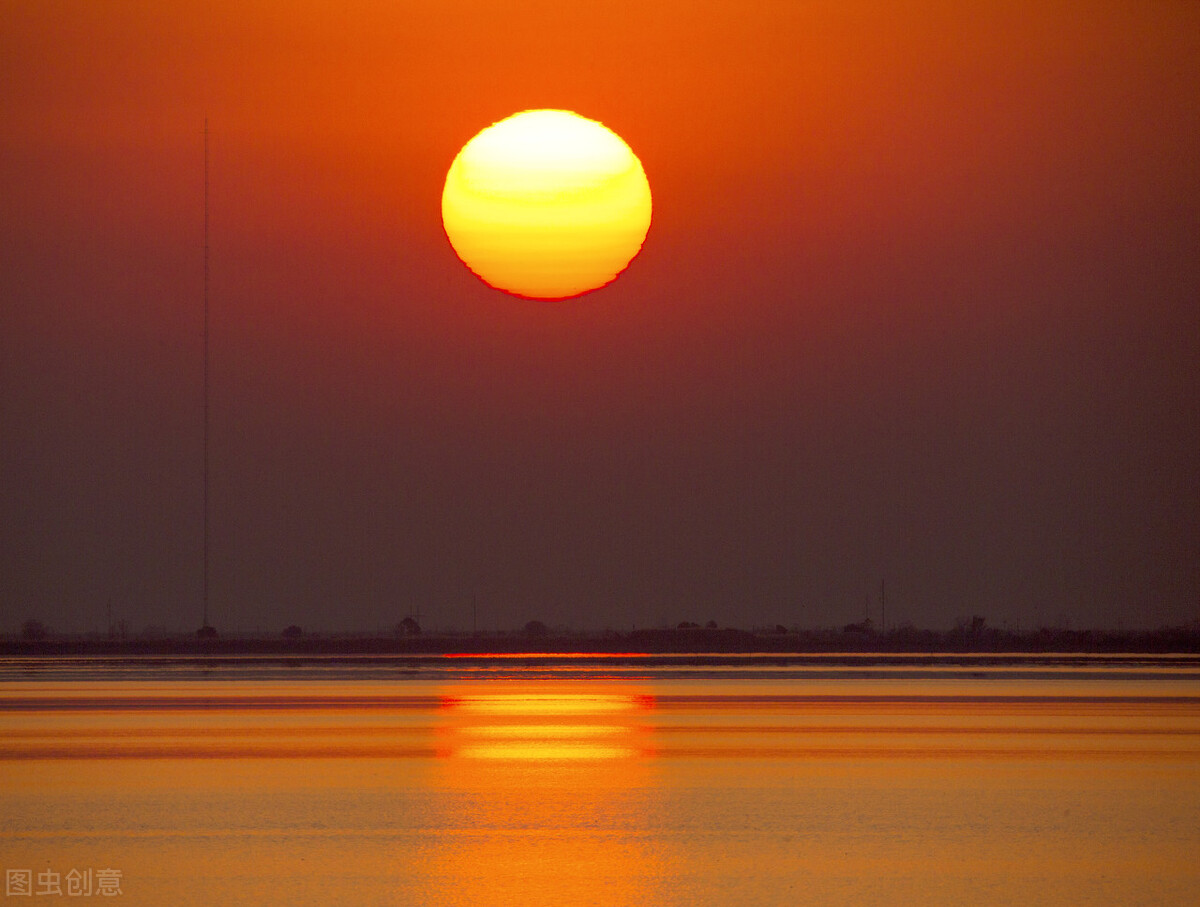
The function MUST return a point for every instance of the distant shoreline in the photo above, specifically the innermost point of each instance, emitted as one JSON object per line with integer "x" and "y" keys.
{"x": 904, "y": 641}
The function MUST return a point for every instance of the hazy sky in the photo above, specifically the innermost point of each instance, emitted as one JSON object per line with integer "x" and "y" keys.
{"x": 920, "y": 301}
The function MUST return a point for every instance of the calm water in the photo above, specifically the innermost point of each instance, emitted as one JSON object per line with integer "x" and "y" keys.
{"x": 640, "y": 781}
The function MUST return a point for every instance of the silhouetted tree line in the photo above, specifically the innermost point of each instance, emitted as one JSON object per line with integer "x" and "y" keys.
{"x": 974, "y": 635}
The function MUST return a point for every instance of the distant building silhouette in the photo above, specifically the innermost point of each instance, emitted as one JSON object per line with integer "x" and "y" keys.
{"x": 536, "y": 628}
{"x": 408, "y": 627}
{"x": 33, "y": 630}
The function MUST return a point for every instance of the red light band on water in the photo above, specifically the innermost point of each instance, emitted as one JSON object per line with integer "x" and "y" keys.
{"x": 546, "y": 655}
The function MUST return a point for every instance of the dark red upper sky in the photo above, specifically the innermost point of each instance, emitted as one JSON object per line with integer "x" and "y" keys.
{"x": 921, "y": 301}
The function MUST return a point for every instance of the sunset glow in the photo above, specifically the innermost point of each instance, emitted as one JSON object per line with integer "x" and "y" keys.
{"x": 526, "y": 725}
{"x": 467, "y": 454}
{"x": 546, "y": 204}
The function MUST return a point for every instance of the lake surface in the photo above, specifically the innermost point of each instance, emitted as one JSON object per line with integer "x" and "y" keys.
{"x": 616, "y": 780}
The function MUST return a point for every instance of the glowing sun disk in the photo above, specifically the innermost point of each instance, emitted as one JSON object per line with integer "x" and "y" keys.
{"x": 546, "y": 204}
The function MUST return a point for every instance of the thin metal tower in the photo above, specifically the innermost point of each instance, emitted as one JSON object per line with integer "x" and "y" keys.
{"x": 205, "y": 624}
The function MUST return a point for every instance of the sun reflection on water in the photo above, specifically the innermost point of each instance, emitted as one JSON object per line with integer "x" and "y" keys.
{"x": 526, "y": 725}
{"x": 548, "y": 795}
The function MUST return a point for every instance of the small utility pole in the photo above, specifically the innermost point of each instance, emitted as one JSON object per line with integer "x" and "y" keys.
{"x": 882, "y": 606}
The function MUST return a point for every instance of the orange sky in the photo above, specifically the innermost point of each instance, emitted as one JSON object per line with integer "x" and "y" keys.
{"x": 918, "y": 301}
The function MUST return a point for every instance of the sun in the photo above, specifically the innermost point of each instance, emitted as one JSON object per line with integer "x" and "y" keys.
{"x": 546, "y": 204}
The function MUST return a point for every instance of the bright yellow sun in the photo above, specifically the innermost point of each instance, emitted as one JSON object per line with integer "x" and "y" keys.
{"x": 546, "y": 204}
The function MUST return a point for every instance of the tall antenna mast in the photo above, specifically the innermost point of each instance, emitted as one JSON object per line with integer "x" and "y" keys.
{"x": 205, "y": 624}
